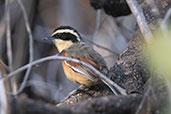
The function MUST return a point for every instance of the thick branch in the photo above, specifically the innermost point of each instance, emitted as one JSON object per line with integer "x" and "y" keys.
{"x": 107, "y": 104}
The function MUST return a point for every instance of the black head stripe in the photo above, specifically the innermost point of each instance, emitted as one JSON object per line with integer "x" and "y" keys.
{"x": 66, "y": 36}
{"x": 65, "y": 28}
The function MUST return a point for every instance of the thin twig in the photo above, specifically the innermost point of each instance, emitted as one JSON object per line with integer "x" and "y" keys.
{"x": 138, "y": 13}
{"x": 30, "y": 47}
{"x": 143, "y": 100}
{"x": 98, "y": 18}
{"x": 8, "y": 35}
{"x": 57, "y": 57}
{"x": 4, "y": 65}
{"x": 9, "y": 46}
{"x": 102, "y": 47}
{"x": 99, "y": 46}
{"x": 97, "y": 28}
{"x": 164, "y": 24}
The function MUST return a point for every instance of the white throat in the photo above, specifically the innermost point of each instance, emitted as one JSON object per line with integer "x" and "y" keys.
{"x": 61, "y": 45}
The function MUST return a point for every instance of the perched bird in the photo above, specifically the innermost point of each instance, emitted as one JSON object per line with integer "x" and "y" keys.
{"x": 70, "y": 44}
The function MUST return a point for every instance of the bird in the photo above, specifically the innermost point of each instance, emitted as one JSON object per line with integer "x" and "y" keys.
{"x": 70, "y": 44}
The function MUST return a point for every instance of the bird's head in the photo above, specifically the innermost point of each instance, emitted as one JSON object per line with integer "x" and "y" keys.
{"x": 64, "y": 36}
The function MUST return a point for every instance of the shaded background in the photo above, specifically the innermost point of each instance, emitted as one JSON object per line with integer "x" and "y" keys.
{"x": 47, "y": 80}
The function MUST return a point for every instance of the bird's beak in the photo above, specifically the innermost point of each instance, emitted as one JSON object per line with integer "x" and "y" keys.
{"x": 48, "y": 38}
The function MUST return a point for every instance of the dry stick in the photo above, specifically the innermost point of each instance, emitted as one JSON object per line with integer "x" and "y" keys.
{"x": 164, "y": 24}
{"x": 102, "y": 47}
{"x": 57, "y": 57}
{"x": 9, "y": 46}
{"x": 143, "y": 100}
{"x": 30, "y": 47}
{"x": 98, "y": 18}
{"x": 4, "y": 65}
{"x": 99, "y": 46}
{"x": 138, "y": 13}
{"x": 8, "y": 35}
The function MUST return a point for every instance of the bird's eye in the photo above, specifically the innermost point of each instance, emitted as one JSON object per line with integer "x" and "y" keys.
{"x": 57, "y": 36}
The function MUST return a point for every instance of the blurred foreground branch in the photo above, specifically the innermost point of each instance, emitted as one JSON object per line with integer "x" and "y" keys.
{"x": 57, "y": 57}
{"x": 107, "y": 104}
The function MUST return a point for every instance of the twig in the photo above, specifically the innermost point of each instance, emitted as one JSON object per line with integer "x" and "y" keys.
{"x": 4, "y": 65}
{"x": 97, "y": 27}
{"x": 9, "y": 46}
{"x": 57, "y": 57}
{"x": 102, "y": 47}
{"x": 138, "y": 13}
{"x": 164, "y": 24}
{"x": 99, "y": 46}
{"x": 98, "y": 18}
{"x": 30, "y": 47}
{"x": 8, "y": 35}
{"x": 143, "y": 100}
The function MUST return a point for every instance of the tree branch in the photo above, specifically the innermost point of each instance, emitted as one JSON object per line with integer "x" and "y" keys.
{"x": 139, "y": 15}
{"x": 107, "y": 104}
{"x": 8, "y": 35}
{"x": 4, "y": 65}
{"x": 102, "y": 47}
{"x": 30, "y": 48}
{"x": 57, "y": 57}
{"x": 9, "y": 46}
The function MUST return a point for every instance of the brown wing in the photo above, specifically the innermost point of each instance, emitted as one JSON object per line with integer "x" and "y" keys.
{"x": 86, "y": 72}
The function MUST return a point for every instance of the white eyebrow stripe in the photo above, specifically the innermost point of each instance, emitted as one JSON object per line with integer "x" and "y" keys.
{"x": 67, "y": 31}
